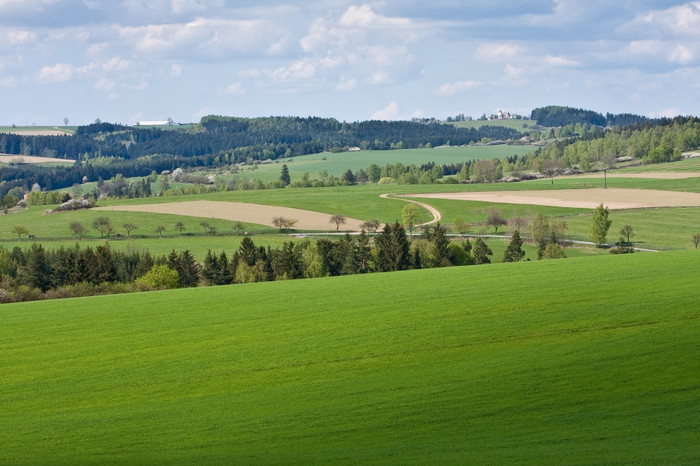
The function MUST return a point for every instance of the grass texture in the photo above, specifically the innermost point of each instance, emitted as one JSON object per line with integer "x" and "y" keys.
{"x": 590, "y": 360}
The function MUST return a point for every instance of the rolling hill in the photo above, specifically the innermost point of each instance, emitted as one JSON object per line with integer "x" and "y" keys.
{"x": 487, "y": 364}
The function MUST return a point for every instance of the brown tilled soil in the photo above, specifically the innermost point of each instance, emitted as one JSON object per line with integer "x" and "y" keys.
{"x": 613, "y": 198}
{"x": 243, "y": 212}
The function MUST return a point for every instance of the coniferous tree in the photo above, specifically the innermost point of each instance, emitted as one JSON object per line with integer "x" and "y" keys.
{"x": 441, "y": 246}
{"x": 481, "y": 251}
{"x": 514, "y": 252}
{"x": 284, "y": 177}
{"x": 393, "y": 248}
{"x": 38, "y": 268}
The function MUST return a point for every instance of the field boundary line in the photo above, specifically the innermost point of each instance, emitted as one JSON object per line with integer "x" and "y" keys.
{"x": 437, "y": 216}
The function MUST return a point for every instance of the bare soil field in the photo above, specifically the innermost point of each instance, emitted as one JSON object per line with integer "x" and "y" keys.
{"x": 243, "y": 212}
{"x": 613, "y": 198}
{"x": 7, "y": 158}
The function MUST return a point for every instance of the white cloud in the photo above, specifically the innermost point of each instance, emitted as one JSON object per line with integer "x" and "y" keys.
{"x": 363, "y": 17}
{"x": 59, "y": 72}
{"x": 681, "y": 54}
{"x": 175, "y": 70}
{"x": 449, "y": 89}
{"x": 235, "y": 89}
{"x": 668, "y": 112}
{"x": 104, "y": 84}
{"x": 346, "y": 84}
{"x": 682, "y": 20}
{"x": 20, "y": 37}
{"x": 498, "y": 52}
{"x": 204, "y": 39}
{"x": 560, "y": 62}
{"x": 390, "y": 112}
{"x": 204, "y": 112}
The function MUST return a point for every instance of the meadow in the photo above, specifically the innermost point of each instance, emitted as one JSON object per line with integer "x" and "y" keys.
{"x": 489, "y": 365}
{"x": 39, "y": 130}
{"x": 664, "y": 228}
{"x": 523, "y": 126}
{"x": 338, "y": 163}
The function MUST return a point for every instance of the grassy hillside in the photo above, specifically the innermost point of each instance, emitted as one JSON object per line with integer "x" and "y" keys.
{"x": 589, "y": 360}
{"x": 523, "y": 126}
{"x": 338, "y": 163}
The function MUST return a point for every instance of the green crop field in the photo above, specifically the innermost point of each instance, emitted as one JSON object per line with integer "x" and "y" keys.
{"x": 338, "y": 163}
{"x": 685, "y": 165}
{"x": 472, "y": 365}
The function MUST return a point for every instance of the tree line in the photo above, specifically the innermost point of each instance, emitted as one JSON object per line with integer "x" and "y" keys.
{"x": 37, "y": 273}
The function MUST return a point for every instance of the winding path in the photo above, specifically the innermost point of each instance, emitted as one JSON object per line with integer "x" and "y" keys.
{"x": 437, "y": 216}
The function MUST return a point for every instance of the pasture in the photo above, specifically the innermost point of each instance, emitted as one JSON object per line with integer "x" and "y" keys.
{"x": 661, "y": 227}
{"x": 39, "y": 130}
{"x": 489, "y": 365}
{"x": 524, "y": 126}
{"x": 338, "y": 163}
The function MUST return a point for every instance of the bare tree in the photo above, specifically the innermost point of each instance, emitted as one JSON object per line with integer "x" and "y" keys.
{"x": 696, "y": 239}
{"x": 461, "y": 226}
{"x": 289, "y": 223}
{"x": 160, "y": 229}
{"x": 495, "y": 219}
{"x": 238, "y": 226}
{"x": 338, "y": 220}
{"x": 129, "y": 227}
{"x": 371, "y": 225}
{"x": 628, "y": 232}
{"x": 517, "y": 223}
{"x": 204, "y": 225}
{"x": 180, "y": 226}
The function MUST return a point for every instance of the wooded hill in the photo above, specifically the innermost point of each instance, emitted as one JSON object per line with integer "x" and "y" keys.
{"x": 555, "y": 115}
{"x": 245, "y": 138}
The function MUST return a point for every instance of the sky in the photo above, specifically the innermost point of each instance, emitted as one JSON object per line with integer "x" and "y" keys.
{"x": 125, "y": 61}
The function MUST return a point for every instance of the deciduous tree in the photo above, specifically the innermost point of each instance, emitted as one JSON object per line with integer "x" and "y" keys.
{"x": 129, "y": 227}
{"x": 410, "y": 215}
{"x": 78, "y": 229}
{"x": 599, "y": 225}
{"x": 103, "y": 225}
{"x": 628, "y": 232}
{"x": 20, "y": 230}
{"x": 338, "y": 220}
{"x": 495, "y": 219}
{"x": 179, "y": 226}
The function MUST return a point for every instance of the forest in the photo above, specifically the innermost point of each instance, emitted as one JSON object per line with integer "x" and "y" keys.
{"x": 555, "y": 116}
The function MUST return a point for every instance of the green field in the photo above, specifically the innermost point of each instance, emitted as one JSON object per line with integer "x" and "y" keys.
{"x": 338, "y": 163}
{"x": 655, "y": 228}
{"x": 472, "y": 365}
{"x": 31, "y": 129}
{"x": 524, "y": 126}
